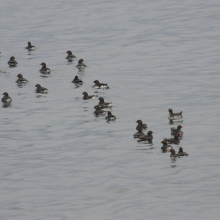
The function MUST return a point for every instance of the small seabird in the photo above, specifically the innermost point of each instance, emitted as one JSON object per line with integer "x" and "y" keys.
{"x": 44, "y": 68}
{"x": 98, "y": 110}
{"x": 148, "y": 137}
{"x": 174, "y": 140}
{"x": 81, "y": 65}
{"x": 177, "y": 130}
{"x": 70, "y": 56}
{"x": 12, "y": 62}
{"x": 139, "y": 133}
{"x": 86, "y": 96}
{"x": 110, "y": 116}
{"x": 103, "y": 104}
{"x": 181, "y": 153}
{"x": 173, "y": 153}
{"x": 21, "y": 79}
{"x": 165, "y": 146}
{"x": 30, "y": 47}
{"x": 173, "y": 116}
{"x": 41, "y": 89}
{"x": 77, "y": 80}
{"x": 141, "y": 125}
{"x": 6, "y": 99}
{"x": 99, "y": 85}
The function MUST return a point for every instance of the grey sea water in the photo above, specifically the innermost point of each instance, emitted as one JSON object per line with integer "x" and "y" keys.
{"x": 59, "y": 161}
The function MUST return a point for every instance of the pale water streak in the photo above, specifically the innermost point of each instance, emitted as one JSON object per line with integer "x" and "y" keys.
{"x": 59, "y": 161}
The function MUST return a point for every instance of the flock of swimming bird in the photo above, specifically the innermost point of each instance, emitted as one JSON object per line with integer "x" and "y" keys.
{"x": 176, "y": 132}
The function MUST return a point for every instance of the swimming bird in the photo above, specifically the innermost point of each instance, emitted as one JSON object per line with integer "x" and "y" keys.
{"x": 30, "y": 47}
{"x": 110, "y": 116}
{"x": 99, "y": 85}
{"x": 148, "y": 137}
{"x": 44, "y": 68}
{"x": 77, "y": 80}
{"x": 70, "y": 56}
{"x": 173, "y": 116}
{"x": 81, "y": 65}
{"x": 174, "y": 140}
{"x": 177, "y": 130}
{"x": 165, "y": 146}
{"x": 181, "y": 153}
{"x": 6, "y": 99}
{"x": 141, "y": 125}
{"x": 12, "y": 62}
{"x": 21, "y": 79}
{"x": 40, "y": 89}
{"x": 86, "y": 96}
{"x": 173, "y": 153}
{"x": 103, "y": 104}
{"x": 98, "y": 110}
{"x": 139, "y": 133}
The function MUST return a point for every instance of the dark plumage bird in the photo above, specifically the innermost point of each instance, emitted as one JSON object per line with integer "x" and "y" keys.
{"x": 86, "y": 96}
{"x": 99, "y": 85}
{"x": 110, "y": 116}
{"x": 139, "y": 133}
{"x": 6, "y": 99}
{"x": 21, "y": 79}
{"x": 40, "y": 89}
{"x": 77, "y": 80}
{"x": 174, "y": 140}
{"x": 70, "y": 56}
{"x": 98, "y": 110}
{"x": 140, "y": 125}
{"x": 177, "y": 130}
{"x": 44, "y": 68}
{"x": 148, "y": 137}
{"x": 12, "y": 62}
{"x": 103, "y": 104}
{"x": 30, "y": 47}
{"x": 173, "y": 116}
{"x": 165, "y": 146}
{"x": 81, "y": 65}
{"x": 181, "y": 153}
{"x": 173, "y": 153}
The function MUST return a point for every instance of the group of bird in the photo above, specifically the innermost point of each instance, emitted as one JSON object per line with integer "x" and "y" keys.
{"x": 176, "y": 132}
{"x": 45, "y": 70}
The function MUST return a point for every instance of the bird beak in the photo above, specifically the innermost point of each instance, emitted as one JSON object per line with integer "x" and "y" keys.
{"x": 161, "y": 142}
{"x": 17, "y": 76}
{"x": 168, "y": 150}
{"x": 152, "y": 132}
{"x": 167, "y": 110}
{"x": 180, "y": 135}
{"x": 35, "y": 86}
{"x": 93, "y": 81}
{"x": 181, "y": 126}
{"x": 82, "y": 93}
{"x": 136, "y": 122}
{"x": 98, "y": 98}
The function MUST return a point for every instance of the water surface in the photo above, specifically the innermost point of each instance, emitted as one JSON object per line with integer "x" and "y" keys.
{"x": 59, "y": 161}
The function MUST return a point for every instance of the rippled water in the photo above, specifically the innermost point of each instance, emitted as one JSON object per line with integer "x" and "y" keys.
{"x": 59, "y": 161}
